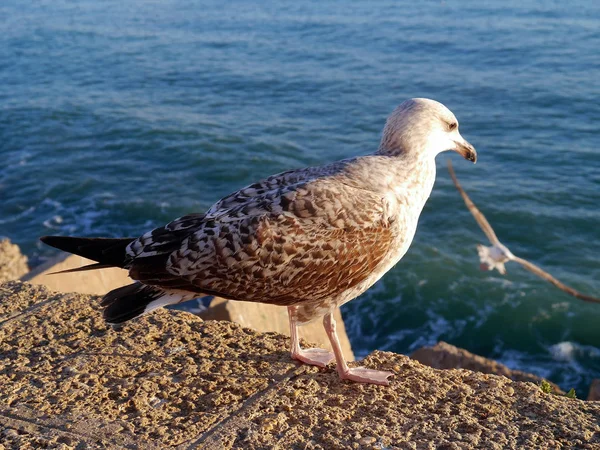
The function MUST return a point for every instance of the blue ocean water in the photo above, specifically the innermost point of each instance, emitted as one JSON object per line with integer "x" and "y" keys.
{"x": 119, "y": 116}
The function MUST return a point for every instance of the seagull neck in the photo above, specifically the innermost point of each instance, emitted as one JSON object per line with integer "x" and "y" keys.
{"x": 402, "y": 175}
{"x": 395, "y": 150}
{"x": 410, "y": 175}
{"x": 416, "y": 156}
{"x": 409, "y": 165}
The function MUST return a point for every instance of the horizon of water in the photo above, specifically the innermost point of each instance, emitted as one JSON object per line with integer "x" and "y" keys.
{"x": 118, "y": 117}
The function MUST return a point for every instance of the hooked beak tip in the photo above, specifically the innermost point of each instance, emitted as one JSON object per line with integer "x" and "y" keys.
{"x": 472, "y": 156}
{"x": 467, "y": 151}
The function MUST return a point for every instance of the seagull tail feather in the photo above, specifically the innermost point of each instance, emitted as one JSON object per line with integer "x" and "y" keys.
{"x": 107, "y": 252}
{"x": 134, "y": 300}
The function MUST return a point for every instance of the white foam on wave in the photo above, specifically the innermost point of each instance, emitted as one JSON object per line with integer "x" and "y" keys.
{"x": 432, "y": 331}
{"x": 563, "y": 351}
{"x": 568, "y": 351}
{"x": 518, "y": 360}
{"x": 53, "y": 222}
{"x": 562, "y": 364}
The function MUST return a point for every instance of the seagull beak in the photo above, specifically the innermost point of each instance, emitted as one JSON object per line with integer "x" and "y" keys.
{"x": 466, "y": 150}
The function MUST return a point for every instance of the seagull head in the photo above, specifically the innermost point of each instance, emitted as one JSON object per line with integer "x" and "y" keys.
{"x": 424, "y": 127}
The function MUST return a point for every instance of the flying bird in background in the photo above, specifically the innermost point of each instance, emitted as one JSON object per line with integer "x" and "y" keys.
{"x": 498, "y": 254}
{"x": 310, "y": 239}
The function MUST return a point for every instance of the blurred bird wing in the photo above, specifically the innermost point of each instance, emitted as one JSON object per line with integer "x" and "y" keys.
{"x": 479, "y": 217}
{"x": 546, "y": 276}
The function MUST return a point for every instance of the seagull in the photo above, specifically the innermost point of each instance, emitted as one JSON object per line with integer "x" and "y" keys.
{"x": 498, "y": 254}
{"x": 309, "y": 239}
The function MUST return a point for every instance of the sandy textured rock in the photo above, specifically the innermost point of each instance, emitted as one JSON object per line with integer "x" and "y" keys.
{"x": 97, "y": 282}
{"x": 267, "y": 318}
{"x": 447, "y": 356}
{"x": 13, "y": 264}
{"x": 170, "y": 380}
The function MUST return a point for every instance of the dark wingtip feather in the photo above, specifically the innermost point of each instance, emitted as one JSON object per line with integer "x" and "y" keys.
{"x": 82, "y": 268}
{"x": 128, "y": 302}
{"x": 48, "y": 240}
{"x": 107, "y": 251}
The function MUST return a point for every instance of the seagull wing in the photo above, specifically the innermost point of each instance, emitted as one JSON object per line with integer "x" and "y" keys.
{"x": 291, "y": 243}
{"x": 162, "y": 241}
{"x": 272, "y": 183}
{"x": 546, "y": 276}
{"x": 479, "y": 217}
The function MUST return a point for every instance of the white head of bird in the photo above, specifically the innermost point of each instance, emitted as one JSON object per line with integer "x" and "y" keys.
{"x": 423, "y": 127}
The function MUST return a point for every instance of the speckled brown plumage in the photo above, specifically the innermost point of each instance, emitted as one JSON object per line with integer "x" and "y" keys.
{"x": 304, "y": 237}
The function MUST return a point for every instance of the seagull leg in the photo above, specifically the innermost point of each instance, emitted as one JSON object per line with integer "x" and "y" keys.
{"x": 359, "y": 374}
{"x": 313, "y": 356}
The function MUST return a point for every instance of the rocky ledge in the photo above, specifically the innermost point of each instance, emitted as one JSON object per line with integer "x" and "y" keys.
{"x": 13, "y": 264}
{"x": 171, "y": 380}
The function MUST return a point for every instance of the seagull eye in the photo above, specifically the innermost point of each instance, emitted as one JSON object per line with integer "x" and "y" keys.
{"x": 452, "y": 126}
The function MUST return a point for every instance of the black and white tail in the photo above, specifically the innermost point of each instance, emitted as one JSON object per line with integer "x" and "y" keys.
{"x": 127, "y": 302}
{"x": 124, "y": 303}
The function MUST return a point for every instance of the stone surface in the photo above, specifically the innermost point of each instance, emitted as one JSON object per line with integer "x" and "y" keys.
{"x": 97, "y": 282}
{"x": 447, "y": 356}
{"x": 594, "y": 393}
{"x": 170, "y": 380}
{"x": 266, "y": 318}
{"x": 13, "y": 264}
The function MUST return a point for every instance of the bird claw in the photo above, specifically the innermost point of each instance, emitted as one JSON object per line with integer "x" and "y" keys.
{"x": 314, "y": 356}
{"x": 364, "y": 375}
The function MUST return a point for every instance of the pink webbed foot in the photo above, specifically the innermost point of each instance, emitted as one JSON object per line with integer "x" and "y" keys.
{"x": 364, "y": 375}
{"x": 314, "y": 356}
